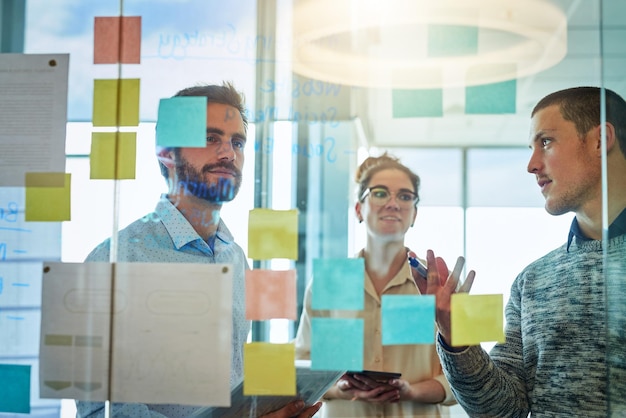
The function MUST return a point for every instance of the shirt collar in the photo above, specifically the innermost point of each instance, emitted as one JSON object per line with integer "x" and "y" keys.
{"x": 179, "y": 228}
{"x": 617, "y": 228}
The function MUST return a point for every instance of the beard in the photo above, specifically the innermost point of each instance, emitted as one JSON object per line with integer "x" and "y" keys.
{"x": 192, "y": 182}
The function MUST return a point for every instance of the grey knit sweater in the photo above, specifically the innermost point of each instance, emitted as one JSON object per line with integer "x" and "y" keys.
{"x": 565, "y": 349}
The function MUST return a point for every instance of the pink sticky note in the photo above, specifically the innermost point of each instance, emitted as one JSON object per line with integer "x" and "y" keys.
{"x": 270, "y": 294}
{"x": 113, "y": 44}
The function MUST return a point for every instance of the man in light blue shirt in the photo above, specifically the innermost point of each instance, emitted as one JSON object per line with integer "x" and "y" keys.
{"x": 186, "y": 228}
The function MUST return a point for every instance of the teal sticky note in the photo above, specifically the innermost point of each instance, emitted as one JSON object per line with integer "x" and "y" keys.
{"x": 182, "y": 122}
{"x": 417, "y": 103}
{"x": 15, "y": 384}
{"x": 338, "y": 283}
{"x": 452, "y": 40}
{"x": 408, "y": 319}
{"x": 491, "y": 99}
{"x": 336, "y": 344}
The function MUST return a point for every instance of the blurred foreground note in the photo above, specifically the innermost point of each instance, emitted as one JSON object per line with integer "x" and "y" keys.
{"x": 15, "y": 384}
{"x": 336, "y": 344}
{"x": 338, "y": 283}
{"x": 170, "y": 332}
{"x": 408, "y": 319}
{"x": 476, "y": 319}
{"x": 33, "y": 116}
{"x": 113, "y": 155}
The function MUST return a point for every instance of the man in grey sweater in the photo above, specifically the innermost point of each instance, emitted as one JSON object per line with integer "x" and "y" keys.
{"x": 565, "y": 349}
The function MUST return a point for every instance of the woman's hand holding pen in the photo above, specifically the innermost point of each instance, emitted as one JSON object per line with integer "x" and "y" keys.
{"x": 443, "y": 284}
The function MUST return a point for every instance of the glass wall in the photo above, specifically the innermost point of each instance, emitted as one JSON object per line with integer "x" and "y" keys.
{"x": 325, "y": 85}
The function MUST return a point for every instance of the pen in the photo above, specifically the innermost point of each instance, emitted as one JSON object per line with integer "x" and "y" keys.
{"x": 417, "y": 265}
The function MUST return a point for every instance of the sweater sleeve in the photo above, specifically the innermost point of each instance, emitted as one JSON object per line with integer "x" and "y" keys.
{"x": 490, "y": 385}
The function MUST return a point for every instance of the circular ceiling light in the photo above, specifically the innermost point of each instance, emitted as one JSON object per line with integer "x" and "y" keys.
{"x": 371, "y": 43}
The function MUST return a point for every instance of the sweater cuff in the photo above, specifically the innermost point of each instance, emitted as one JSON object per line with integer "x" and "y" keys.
{"x": 447, "y": 347}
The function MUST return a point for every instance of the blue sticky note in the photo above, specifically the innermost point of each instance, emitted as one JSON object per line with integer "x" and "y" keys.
{"x": 417, "y": 103}
{"x": 182, "y": 122}
{"x": 15, "y": 384}
{"x": 336, "y": 344}
{"x": 491, "y": 99}
{"x": 408, "y": 319}
{"x": 452, "y": 40}
{"x": 338, "y": 283}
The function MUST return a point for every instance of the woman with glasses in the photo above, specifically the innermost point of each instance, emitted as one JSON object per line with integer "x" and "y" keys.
{"x": 387, "y": 205}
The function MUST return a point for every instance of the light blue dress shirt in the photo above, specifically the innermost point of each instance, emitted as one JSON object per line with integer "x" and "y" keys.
{"x": 166, "y": 236}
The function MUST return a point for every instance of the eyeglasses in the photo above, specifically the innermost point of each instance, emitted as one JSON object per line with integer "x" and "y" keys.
{"x": 380, "y": 195}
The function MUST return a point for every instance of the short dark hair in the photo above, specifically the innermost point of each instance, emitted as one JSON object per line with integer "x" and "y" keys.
{"x": 225, "y": 94}
{"x": 373, "y": 165}
{"x": 581, "y": 105}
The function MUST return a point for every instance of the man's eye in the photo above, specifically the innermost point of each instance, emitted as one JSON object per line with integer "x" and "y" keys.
{"x": 239, "y": 144}
{"x": 545, "y": 141}
{"x": 211, "y": 139}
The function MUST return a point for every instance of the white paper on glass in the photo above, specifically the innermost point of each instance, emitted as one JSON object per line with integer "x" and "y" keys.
{"x": 33, "y": 115}
{"x": 169, "y": 339}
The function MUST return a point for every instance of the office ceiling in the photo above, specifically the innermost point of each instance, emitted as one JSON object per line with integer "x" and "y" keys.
{"x": 596, "y": 53}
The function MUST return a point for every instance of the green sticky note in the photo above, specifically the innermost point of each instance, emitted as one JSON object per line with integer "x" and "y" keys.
{"x": 116, "y": 102}
{"x": 113, "y": 155}
{"x": 452, "y": 40}
{"x": 337, "y": 344}
{"x": 417, "y": 103}
{"x": 182, "y": 122}
{"x": 15, "y": 384}
{"x": 48, "y": 197}
{"x": 475, "y": 319}
{"x": 273, "y": 234}
{"x": 269, "y": 369}
{"x": 491, "y": 99}
{"x": 338, "y": 283}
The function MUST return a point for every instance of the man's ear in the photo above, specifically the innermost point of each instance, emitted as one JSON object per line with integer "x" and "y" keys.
{"x": 611, "y": 139}
{"x": 166, "y": 157}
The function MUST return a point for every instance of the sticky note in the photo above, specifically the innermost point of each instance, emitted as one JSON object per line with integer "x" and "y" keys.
{"x": 338, "y": 283}
{"x": 15, "y": 384}
{"x": 181, "y": 122}
{"x": 115, "y": 43}
{"x": 493, "y": 98}
{"x": 408, "y": 319}
{"x": 336, "y": 344}
{"x": 417, "y": 103}
{"x": 116, "y": 102}
{"x": 273, "y": 234}
{"x": 452, "y": 40}
{"x": 475, "y": 319}
{"x": 113, "y": 155}
{"x": 47, "y": 197}
{"x": 269, "y": 369}
{"x": 271, "y": 294}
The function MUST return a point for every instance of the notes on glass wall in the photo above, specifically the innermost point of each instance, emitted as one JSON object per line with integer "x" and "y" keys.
{"x": 337, "y": 344}
{"x": 117, "y": 39}
{"x": 182, "y": 122}
{"x": 269, "y": 369}
{"x": 271, "y": 294}
{"x": 33, "y": 115}
{"x": 338, "y": 283}
{"x": 15, "y": 384}
{"x": 169, "y": 333}
{"x": 113, "y": 155}
{"x": 273, "y": 234}
{"x": 116, "y": 102}
{"x": 48, "y": 197}
{"x": 476, "y": 318}
{"x": 408, "y": 319}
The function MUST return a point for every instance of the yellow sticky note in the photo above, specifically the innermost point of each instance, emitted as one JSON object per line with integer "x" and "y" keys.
{"x": 271, "y": 294}
{"x": 113, "y": 155}
{"x": 269, "y": 369}
{"x": 116, "y": 102}
{"x": 47, "y": 197}
{"x": 475, "y": 319}
{"x": 273, "y": 234}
